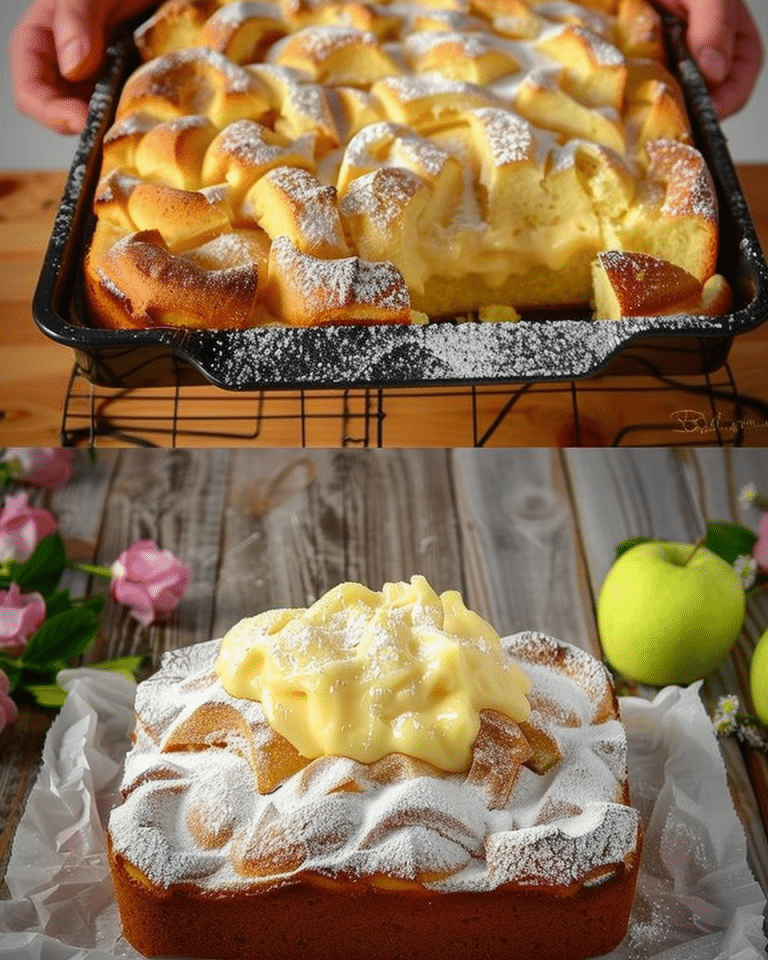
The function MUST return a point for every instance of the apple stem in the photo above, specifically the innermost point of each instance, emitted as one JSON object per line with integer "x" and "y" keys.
{"x": 699, "y": 543}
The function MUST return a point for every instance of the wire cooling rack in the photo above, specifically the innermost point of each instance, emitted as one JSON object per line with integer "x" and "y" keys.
{"x": 652, "y": 410}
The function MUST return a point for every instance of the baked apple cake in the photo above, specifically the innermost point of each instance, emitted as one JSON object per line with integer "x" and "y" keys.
{"x": 315, "y": 162}
{"x": 376, "y": 776}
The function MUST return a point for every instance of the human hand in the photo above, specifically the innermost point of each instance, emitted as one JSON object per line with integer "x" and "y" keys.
{"x": 725, "y": 43}
{"x": 55, "y": 53}
{"x": 56, "y": 49}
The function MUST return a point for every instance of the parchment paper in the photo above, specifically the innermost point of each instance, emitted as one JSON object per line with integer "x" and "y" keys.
{"x": 696, "y": 897}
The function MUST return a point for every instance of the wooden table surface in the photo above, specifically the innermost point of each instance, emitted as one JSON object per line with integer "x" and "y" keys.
{"x": 527, "y": 536}
{"x": 607, "y": 410}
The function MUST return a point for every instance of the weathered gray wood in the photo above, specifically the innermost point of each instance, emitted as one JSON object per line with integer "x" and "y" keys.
{"x": 519, "y": 542}
{"x": 300, "y": 522}
{"x": 526, "y": 535}
{"x": 722, "y": 479}
{"x": 629, "y": 492}
{"x": 671, "y": 495}
{"x": 175, "y": 498}
{"x": 79, "y": 507}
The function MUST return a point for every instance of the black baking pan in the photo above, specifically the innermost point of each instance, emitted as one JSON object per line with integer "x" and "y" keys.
{"x": 446, "y": 353}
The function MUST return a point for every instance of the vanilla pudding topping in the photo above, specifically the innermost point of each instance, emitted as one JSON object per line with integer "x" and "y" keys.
{"x": 363, "y": 674}
{"x": 211, "y": 798}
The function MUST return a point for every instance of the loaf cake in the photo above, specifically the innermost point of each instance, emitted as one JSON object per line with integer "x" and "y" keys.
{"x": 316, "y": 162}
{"x": 404, "y": 817}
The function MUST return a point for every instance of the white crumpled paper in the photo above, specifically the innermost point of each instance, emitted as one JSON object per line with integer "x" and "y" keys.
{"x": 696, "y": 897}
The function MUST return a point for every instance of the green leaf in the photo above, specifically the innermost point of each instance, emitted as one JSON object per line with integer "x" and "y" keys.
{"x": 632, "y": 542}
{"x": 126, "y": 666}
{"x": 94, "y": 603}
{"x": 8, "y": 470}
{"x": 47, "y": 694}
{"x": 10, "y": 569}
{"x": 57, "y": 602}
{"x": 53, "y": 695}
{"x": 61, "y": 637}
{"x": 13, "y": 670}
{"x": 729, "y": 540}
{"x": 43, "y": 570}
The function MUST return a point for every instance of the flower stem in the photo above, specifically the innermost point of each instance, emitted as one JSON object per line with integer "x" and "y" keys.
{"x": 91, "y": 569}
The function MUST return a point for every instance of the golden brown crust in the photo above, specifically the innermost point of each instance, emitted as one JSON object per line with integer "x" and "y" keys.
{"x": 190, "y": 289}
{"x": 321, "y": 921}
{"x": 561, "y": 886}
{"x": 629, "y": 284}
{"x": 480, "y": 154}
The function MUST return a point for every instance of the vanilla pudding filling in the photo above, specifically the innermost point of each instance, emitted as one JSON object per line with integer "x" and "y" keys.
{"x": 481, "y": 201}
{"x": 193, "y": 811}
{"x": 364, "y": 674}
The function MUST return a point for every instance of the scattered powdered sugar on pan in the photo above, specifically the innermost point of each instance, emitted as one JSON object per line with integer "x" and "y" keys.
{"x": 68, "y": 203}
{"x": 396, "y": 355}
{"x": 432, "y": 353}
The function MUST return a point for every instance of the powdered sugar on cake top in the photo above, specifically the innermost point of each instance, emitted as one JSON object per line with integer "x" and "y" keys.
{"x": 196, "y": 815}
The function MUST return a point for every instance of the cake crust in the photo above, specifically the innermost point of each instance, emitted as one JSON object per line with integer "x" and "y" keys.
{"x": 469, "y": 154}
{"x": 534, "y": 850}
{"x": 311, "y": 921}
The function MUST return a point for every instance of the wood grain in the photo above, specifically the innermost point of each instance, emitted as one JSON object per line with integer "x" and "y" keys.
{"x": 670, "y": 494}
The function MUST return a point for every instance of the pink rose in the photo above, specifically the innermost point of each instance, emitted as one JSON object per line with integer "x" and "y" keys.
{"x": 22, "y": 527}
{"x": 21, "y": 614}
{"x": 48, "y": 467}
{"x": 760, "y": 549}
{"x": 8, "y": 709}
{"x": 149, "y": 580}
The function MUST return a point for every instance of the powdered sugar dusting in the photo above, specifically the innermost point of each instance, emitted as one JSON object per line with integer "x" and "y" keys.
{"x": 689, "y": 189}
{"x": 251, "y": 144}
{"x": 236, "y": 14}
{"x": 380, "y": 196}
{"x": 314, "y": 207}
{"x": 317, "y": 43}
{"x": 198, "y": 818}
{"x": 163, "y": 72}
{"x": 446, "y": 115}
{"x": 509, "y": 137}
{"x": 334, "y": 284}
{"x": 431, "y": 84}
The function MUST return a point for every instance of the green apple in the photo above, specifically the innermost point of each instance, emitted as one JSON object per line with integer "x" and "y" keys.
{"x": 669, "y": 614}
{"x": 758, "y": 678}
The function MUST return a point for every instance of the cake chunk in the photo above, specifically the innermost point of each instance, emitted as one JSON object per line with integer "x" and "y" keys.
{"x": 437, "y": 792}
{"x": 479, "y": 156}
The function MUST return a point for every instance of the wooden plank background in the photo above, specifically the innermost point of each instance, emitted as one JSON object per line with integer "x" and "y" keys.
{"x": 527, "y": 536}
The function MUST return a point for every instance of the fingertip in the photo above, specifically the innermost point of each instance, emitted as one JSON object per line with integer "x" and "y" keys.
{"x": 77, "y": 35}
{"x": 74, "y": 58}
{"x": 70, "y": 117}
{"x": 714, "y": 65}
{"x": 66, "y": 115}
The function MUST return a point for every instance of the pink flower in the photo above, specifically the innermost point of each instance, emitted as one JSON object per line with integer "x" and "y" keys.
{"x": 48, "y": 467}
{"x": 149, "y": 580}
{"x": 8, "y": 709}
{"x": 22, "y": 527}
{"x": 760, "y": 549}
{"x": 21, "y": 614}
